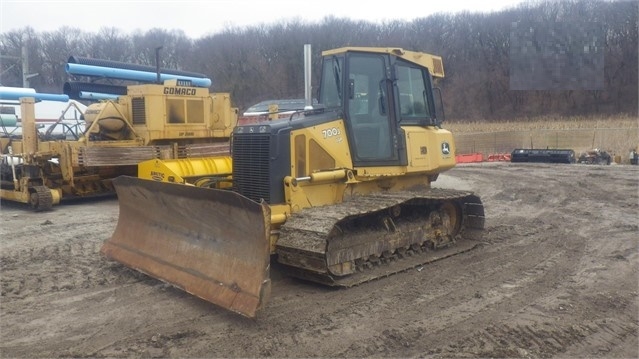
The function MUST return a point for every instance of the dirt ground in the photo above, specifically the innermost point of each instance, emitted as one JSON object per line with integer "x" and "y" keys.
{"x": 555, "y": 276}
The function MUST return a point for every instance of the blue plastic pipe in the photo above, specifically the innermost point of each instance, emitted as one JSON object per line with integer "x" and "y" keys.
{"x": 17, "y": 89}
{"x": 16, "y": 95}
{"x": 132, "y": 75}
{"x": 97, "y": 96}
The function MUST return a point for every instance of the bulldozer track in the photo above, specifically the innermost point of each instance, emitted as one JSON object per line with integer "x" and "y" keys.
{"x": 372, "y": 234}
{"x": 384, "y": 267}
{"x": 41, "y": 199}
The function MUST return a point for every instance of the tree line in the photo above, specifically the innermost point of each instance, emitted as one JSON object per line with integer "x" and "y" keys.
{"x": 539, "y": 58}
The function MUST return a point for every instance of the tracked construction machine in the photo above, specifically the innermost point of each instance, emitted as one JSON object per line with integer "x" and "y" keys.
{"x": 175, "y": 124}
{"x": 339, "y": 195}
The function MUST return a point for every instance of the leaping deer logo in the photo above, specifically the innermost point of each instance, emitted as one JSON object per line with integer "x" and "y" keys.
{"x": 445, "y": 148}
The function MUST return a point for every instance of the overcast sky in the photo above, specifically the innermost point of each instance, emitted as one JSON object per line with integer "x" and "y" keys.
{"x": 200, "y": 17}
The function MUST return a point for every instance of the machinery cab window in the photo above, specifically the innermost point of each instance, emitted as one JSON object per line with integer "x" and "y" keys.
{"x": 330, "y": 92}
{"x": 413, "y": 85}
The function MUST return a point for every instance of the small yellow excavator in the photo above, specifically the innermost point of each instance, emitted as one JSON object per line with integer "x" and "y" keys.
{"x": 338, "y": 194}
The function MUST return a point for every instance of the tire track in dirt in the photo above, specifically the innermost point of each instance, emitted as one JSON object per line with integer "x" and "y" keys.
{"x": 454, "y": 312}
{"x": 540, "y": 339}
{"x": 564, "y": 336}
{"x": 73, "y": 264}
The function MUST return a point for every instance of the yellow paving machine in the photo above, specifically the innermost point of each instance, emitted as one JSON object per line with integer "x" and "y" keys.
{"x": 172, "y": 121}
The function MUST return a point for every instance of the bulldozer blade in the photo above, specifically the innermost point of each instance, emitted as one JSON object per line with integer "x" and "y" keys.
{"x": 210, "y": 243}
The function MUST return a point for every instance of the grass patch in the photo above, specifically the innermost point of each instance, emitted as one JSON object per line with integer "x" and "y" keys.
{"x": 545, "y": 122}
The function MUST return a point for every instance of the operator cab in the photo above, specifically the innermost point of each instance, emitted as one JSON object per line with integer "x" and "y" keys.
{"x": 377, "y": 94}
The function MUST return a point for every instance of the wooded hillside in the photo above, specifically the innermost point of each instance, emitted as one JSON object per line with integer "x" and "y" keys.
{"x": 540, "y": 58}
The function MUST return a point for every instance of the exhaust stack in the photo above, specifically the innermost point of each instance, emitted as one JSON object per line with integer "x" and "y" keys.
{"x": 307, "y": 78}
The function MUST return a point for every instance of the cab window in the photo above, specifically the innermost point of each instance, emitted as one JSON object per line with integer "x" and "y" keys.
{"x": 413, "y": 92}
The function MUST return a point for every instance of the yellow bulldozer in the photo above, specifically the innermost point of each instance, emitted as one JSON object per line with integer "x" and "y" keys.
{"x": 171, "y": 122}
{"x": 339, "y": 194}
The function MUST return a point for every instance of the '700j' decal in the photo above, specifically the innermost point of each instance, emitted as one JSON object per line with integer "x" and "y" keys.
{"x": 330, "y": 132}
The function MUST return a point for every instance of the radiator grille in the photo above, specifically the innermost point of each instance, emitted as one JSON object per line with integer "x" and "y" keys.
{"x": 139, "y": 111}
{"x": 251, "y": 166}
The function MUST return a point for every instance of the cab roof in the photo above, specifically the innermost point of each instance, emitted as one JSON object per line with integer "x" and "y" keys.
{"x": 432, "y": 62}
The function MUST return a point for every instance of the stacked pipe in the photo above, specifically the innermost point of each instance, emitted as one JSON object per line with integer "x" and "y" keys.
{"x": 90, "y": 67}
{"x": 127, "y": 66}
{"x": 543, "y": 155}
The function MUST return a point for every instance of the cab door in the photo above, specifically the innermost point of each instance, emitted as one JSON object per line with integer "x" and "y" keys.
{"x": 370, "y": 117}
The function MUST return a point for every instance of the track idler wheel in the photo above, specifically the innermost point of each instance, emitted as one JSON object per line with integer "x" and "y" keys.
{"x": 40, "y": 199}
{"x": 446, "y": 223}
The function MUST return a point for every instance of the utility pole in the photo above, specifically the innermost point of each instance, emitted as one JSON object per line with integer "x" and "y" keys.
{"x": 25, "y": 64}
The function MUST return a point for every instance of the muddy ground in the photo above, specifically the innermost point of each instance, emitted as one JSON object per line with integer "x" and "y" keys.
{"x": 555, "y": 275}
